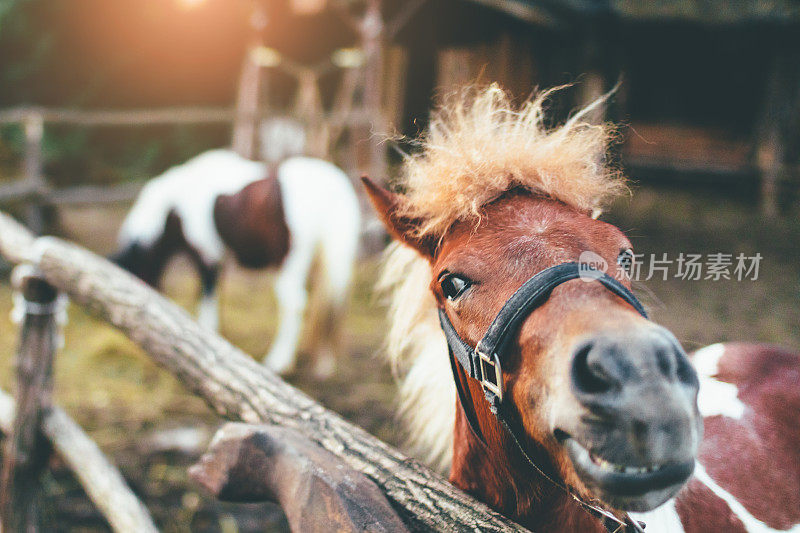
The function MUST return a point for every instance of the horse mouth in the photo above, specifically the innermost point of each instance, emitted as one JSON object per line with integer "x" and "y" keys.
{"x": 629, "y": 487}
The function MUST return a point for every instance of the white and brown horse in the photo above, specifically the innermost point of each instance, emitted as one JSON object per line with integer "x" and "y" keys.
{"x": 264, "y": 216}
{"x": 596, "y": 407}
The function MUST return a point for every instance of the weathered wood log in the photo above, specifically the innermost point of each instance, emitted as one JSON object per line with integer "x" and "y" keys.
{"x": 16, "y": 242}
{"x": 26, "y": 452}
{"x": 238, "y": 388}
{"x": 100, "y": 479}
{"x": 316, "y": 490}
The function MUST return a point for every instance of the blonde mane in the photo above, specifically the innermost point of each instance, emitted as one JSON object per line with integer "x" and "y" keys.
{"x": 478, "y": 147}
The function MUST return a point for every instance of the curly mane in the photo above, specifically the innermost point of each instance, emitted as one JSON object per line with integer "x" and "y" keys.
{"x": 478, "y": 147}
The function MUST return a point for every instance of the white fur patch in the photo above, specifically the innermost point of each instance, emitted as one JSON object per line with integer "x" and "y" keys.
{"x": 190, "y": 189}
{"x": 715, "y": 397}
{"x": 663, "y": 519}
{"x": 719, "y": 398}
{"x": 751, "y": 523}
{"x": 706, "y": 360}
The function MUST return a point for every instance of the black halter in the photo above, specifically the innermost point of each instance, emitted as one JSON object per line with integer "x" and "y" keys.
{"x": 484, "y": 362}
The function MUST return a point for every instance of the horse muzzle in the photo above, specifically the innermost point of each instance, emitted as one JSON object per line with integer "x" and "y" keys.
{"x": 634, "y": 435}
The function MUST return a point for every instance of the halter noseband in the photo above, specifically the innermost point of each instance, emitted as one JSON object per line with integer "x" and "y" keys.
{"x": 484, "y": 362}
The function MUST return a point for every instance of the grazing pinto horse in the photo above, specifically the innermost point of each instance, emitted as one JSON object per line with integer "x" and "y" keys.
{"x": 568, "y": 408}
{"x": 265, "y": 216}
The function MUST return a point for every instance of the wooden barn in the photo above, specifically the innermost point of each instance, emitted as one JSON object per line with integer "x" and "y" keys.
{"x": 707, "y": 88}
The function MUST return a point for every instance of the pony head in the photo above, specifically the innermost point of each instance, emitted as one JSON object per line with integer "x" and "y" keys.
{"x": 606, "y": 400}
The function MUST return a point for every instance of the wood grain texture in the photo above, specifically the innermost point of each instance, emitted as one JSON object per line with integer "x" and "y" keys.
{"x": 315, "y": 489}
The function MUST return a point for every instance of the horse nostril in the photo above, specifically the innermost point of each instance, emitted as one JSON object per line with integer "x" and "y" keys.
{"x": 666, "y": 359}
{"x": 686, "y": 372}
{"x": 590, "y": 374}
{"x": 674, "y": 363}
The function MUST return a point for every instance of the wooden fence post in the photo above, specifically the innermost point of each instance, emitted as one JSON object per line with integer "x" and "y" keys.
{"x": 772, "y": 142}
{"x": 372, "y": 39}
{"x": 26, "y": 451}
{"x": 245, "y": 124}
{"x": 33, "y": 170}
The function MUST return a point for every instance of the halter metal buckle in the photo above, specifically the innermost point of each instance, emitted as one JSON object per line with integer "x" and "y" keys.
{"x": 490, "y": 373}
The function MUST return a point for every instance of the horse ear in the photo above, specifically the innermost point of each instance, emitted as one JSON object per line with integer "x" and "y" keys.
{"x": 402, "y": 228}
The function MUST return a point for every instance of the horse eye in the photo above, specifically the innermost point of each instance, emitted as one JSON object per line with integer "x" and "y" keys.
{"x": 453, "y": 286}
{"x": 625, "y": 260}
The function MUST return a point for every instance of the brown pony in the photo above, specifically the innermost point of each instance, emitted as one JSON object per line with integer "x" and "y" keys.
{"x": 604, "y": 400}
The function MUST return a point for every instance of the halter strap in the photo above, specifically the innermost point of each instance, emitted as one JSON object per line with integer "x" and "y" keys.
{"x": 484, "y": 362}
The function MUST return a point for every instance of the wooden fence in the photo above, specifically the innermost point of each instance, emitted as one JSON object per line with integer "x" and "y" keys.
{"x": 303, "y": 440}
{"x": 33, "y": 190}
{"x": 32, "y": 187}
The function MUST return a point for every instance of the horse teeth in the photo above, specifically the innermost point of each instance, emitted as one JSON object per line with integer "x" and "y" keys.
{"x": 635, "y": 470}
{"x": 622, "y": 469}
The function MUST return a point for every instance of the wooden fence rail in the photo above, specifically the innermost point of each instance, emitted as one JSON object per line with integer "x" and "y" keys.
{"x": 33, "y": 190}
{"x": 237, "y": 387}
{"x": 121, "y": 117}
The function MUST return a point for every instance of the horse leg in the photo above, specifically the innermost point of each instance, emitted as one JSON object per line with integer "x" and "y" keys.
{"x": 208, "y": 309}
{"x": 148, "y": 259}
{"x": 140, "y": 260}
{"x": 292, "y": 297}
{"x": 338, "y": 254}
{"x": 330, "y": 341}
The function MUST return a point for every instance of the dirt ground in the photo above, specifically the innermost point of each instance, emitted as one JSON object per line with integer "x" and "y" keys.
{"x": 127, "y": 403}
